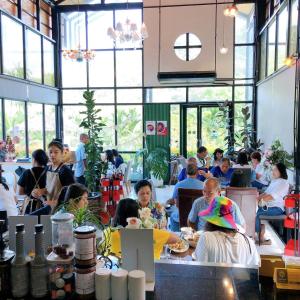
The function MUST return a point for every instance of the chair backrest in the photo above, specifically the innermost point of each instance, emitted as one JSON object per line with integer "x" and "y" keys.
{"x": 186, "y": 198}
{"x": 241, "y": 177}
{"x": 245, "y": 198}
{"x": 127, "y": 171}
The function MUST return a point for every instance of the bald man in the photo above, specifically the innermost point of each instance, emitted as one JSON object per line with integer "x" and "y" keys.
{"x": 211, "y": 190}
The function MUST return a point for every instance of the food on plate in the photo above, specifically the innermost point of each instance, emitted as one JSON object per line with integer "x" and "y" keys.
{"x": 180, "y": 246}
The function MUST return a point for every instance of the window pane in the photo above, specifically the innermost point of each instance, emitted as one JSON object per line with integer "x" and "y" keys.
{"x": 210, "y": 94}
{"x": 263, "y": 53}
{"x": 50, "y": 124}
{"x": 129, "y": 68}
{"x": 136, "y": 167}
{"x": 15, "y": 124}
{"x": 293, "y": 31}
{"x": 271, "y": 48}
{"x": 175, "y": 129}
{"x": 244, "y": 24}
{"x": 135, "y": 16}
{"x": 244, "y": 61}
{"x": 69, "y": 68}
{"x": 104, "y": 96}
{"x": 129, "y": 96}
{"x": 108, "y": 117}
{"x": 101, "y": 70}
{"x": 243, "y": 93}
{"x": 35, "y": 126}
{"x": 72, "y": 96}
{"x": 33, "y": 56}
{"x": 282, "y": 37}
{"x": 72, "y": 118}
{"x": 239, "y": 122}
{"x": 12, "y": 43}
{"x": 48, "y": 63}
{"x": 73, "y": 30}
{"x": 98, "y": 22}
{"x": 1, "y": 128}
{"x": 166, "y": 95}
{"x": 130, "y": 128}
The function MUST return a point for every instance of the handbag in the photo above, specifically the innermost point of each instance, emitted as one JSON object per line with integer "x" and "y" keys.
{"x": 31, "y": 204}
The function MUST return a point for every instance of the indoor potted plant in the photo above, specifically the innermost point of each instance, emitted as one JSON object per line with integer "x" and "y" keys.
{"x": 92, "y": 123}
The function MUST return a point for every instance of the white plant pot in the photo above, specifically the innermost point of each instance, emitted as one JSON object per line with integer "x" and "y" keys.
{"x": 157, "y": 182}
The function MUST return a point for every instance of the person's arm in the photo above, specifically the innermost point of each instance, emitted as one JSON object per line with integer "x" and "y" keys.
{"x": 37, "y": 193}
{"x": 66, "y": 176}
{"x": 193, "y": 215}
{"x": 173, "y": 238}
{"x": 265, "y": 196}
{"x": 192, "y": 225}
{"x": 21, "y": 190}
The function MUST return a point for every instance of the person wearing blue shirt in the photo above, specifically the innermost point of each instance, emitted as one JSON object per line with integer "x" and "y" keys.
{"x": 223, "y": 172}
{"x": 118, "y": 158}
{"x": 183, "y": 174}
{"x": 190, "y": 183}
{"x": 211, "y": 190}
{"x": 81, "y": 159}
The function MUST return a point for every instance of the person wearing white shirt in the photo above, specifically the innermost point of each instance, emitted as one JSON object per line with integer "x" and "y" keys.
{"x": 271, "y": 202}
{"x": 261, "y": 180}
{"x": 221, "y": 241}
{"x": 203, "y": 160}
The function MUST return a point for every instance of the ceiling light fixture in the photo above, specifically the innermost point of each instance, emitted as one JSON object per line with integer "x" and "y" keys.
{"x": 223, "y": 50}
{"x": 231, "y": 11}
{"x": 128, "y": 32}
{"x": 78, "y": 54}
{"x": 290, "y": 60}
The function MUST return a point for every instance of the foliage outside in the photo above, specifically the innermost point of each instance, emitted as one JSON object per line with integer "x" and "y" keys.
{"x": 92, "y": 123}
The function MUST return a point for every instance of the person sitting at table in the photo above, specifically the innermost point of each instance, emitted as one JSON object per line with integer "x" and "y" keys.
{"x": 190, "y": 183}
{"x": 211, "y": 190}
{"x": 117, "y": 158}
{"x": 242, "y": 161}
{"x": 58, "y": 175}
{"x": 203, "y": 158}
{"x": 223, "y": 172}
{"x": 217, "y": 157}
{"x": 221, "y": 241}
{"x": 261, "y": 180}
{"x": 201, "y": 171}
{"x": 31, "y": 179}
{"x": 129, "y": 208}
{"x": 271, "y": 202}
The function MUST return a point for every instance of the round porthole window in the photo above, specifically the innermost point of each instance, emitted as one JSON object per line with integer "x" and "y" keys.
{"x": 187, "y": 46}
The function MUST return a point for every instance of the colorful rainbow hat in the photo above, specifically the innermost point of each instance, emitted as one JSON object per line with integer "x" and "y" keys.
{"x": 220, "y": 213}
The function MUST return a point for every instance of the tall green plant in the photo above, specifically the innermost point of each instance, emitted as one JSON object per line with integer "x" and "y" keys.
{"x": 92, "y": 123}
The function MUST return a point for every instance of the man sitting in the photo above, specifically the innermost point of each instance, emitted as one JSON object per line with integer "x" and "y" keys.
{"x": 223, "y": 172}
{"x": 190, "y": 183}
{"x": 183, "y": 174}
{"x": 203, "y": 158}
{"x": 211, "y": 190}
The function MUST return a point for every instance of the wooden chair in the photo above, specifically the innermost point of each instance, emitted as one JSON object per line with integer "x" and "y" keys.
{"x": 245, "y": 198}
{"x": 186, "y": 198}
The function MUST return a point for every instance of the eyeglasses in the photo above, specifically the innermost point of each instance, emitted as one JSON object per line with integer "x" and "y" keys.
{"x": 208, "y": 192}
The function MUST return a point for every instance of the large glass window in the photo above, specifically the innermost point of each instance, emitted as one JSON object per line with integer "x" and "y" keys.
{"x": 244, "y": 61}
{"x": 175, "y": 129}
{"x": 33, "y": 56}
{"x": 129, "y": 96}
{"x": 263, "y": 55}
{"x": 50, "y": 124}
{"x": 271, "y": 48}
{"x": 35, "y": 126}
{"x": 48, "y": 62}
{"x": 69, "y": 68}
{"x": 15, "y": 124}
{"x": 210, "y": 94}
{"x": 129, "y": 127}
{"x": 166, "y": 95}
{"x": 282, "y": 37}
{"x": 12, "y": 45}
{"x": 244, "y": 24}
{"x": 293, "y": 30}
{"x": 243, "y": 93}
{"x": 108, "y": 117}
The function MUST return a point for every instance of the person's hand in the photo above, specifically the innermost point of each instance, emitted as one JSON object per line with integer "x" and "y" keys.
{"x": 37, "y": 193}
{"x": 201, "y": 172}
{"x": 170, "y": 202}
{"x": 52, "y": 203}
{"x": 208, "y": 159}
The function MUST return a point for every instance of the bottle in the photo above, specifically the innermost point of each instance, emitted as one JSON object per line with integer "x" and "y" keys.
{"x": 38, "y": 266}
{"x": 5, "y": 265}
{"x": 20, "y": 266}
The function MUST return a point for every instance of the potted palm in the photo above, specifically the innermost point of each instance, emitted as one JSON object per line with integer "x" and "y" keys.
{"x": 93, "y": 125}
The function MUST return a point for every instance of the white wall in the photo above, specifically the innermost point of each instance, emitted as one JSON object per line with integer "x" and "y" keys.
{"x": 275, "y": 109}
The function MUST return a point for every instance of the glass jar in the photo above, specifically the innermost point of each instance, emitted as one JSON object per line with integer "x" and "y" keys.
{"x": 85, "y": 243}
{"x": 61, "y": 277}
{"x": 62, "y": 230}
{"x": 85, "y": 281}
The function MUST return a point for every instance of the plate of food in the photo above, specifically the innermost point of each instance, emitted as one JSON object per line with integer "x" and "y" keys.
{"x": 180, "y": 247}
{"x": 193, "y": 240}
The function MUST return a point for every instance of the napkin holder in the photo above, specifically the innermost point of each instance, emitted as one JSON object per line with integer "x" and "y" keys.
{"x": 137, "y": 253}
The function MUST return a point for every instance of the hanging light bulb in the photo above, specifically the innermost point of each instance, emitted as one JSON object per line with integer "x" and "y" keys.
{"x": 289, "y": 61}
{"x": 233, "y": 11}
{"x": 227, "y": 11}
{"x": 223, "y": 50}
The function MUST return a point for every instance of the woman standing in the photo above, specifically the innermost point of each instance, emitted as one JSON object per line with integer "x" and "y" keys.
{"x": 34, "y": 178}
{"x": 58, "y": 175}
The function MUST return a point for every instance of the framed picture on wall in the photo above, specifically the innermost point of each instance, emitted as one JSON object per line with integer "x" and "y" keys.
{"x": 162, "y": 128}
{"x": 150, "y": 127}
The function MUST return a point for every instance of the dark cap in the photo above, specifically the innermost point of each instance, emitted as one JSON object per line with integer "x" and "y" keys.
{"x": 19, "y": 227}
{"x": 38, "y": 228}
